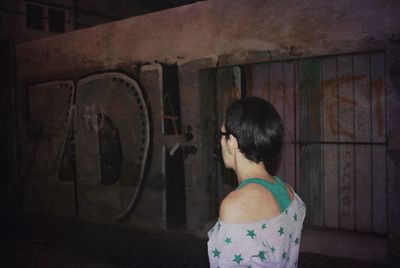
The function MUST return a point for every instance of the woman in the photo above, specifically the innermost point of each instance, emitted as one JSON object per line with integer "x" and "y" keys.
{"x": 260, "y": 222}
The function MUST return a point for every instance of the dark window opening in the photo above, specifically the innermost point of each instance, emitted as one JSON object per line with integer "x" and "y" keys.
{"x": 34, "y": 17}
{"x": 56, "y": 20}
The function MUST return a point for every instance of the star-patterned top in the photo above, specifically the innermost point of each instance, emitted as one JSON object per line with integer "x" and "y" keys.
{"x": 274, "y": 242}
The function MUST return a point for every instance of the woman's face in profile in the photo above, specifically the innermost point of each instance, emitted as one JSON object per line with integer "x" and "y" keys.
{"x": 226, "y": 156}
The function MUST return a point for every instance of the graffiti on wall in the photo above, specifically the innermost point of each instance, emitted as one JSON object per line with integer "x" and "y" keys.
{"x": 93, "y": 116}
{"x": 97, "y": 142}
{"x": 332, "y": 100}
{"x": 346, "y": 184}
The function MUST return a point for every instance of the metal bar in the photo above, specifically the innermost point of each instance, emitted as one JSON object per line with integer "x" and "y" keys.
{"x": 284, "y": 118}
{"x": 386, "y": 134}
{"x": 305, "y": 143}
{"x": 322, "y": 135}
{"x": 370, "y": 138}
{"x": 354, "y": 150}
{"x": 269, "y": 82}
{"x": 338, "y": 138}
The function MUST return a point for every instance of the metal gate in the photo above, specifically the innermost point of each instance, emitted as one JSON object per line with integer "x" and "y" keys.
{"x": 334, "y": 154}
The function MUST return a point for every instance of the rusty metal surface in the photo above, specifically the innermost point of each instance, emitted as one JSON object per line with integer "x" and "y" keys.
{"x": 112, "y": 139}
{"x": 91, "y": 150}
{"x": 50, "y": 110}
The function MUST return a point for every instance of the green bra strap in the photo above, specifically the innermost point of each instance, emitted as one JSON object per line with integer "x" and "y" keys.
{"x": 278, "y": 190}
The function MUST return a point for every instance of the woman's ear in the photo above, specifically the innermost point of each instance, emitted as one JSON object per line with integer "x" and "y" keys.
{"x": 232, "y": 141}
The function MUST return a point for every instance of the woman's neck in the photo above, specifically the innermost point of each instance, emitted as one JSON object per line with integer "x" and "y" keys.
{"x": 246, "y": 169}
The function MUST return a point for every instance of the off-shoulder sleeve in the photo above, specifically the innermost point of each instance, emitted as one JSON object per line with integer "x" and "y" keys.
{"x": 273, "y": 242}
{"x": 242, "y": 245}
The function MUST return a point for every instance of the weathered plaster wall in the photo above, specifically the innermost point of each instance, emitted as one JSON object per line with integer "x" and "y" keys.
{"x": 211, "y": 34}
{"x": 249, "y": 29}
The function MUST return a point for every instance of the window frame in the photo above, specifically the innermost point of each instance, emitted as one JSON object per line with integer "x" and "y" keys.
{"x": 47, "y": 28}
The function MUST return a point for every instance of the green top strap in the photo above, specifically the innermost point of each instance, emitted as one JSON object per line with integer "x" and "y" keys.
{"x": 278, "y": 190}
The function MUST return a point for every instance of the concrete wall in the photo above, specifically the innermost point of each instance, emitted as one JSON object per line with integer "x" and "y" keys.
{"x": 252, "y": 30}
{"x": 214, "y": 34}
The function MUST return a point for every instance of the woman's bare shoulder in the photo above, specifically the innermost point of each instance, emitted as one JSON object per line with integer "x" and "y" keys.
{"x": 230, "y": 208}
{"x": 249, "y": 204}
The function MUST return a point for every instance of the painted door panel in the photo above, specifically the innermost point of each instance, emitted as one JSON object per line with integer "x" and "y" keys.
{"x": 333, "y": 109}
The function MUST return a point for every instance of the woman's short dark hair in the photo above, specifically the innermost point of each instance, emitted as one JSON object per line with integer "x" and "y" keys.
{"x": 258, "y": 129}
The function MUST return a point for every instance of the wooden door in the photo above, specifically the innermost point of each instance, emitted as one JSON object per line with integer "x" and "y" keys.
{"x": 333, "y": 109}
{"x": 228, "y": 89}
